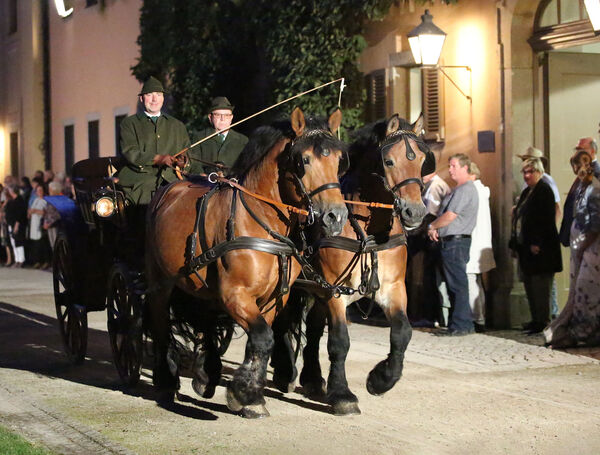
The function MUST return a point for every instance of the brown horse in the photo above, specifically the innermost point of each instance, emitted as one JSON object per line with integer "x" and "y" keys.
{"x": 233, "y": 253}
{"x": 369, "y": 256}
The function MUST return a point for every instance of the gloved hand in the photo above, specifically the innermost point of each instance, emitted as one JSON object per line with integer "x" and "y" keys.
{"x": 163, "y": 160}
{"x": 181, "y": 161}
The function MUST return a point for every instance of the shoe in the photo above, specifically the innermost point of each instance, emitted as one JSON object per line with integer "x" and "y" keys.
{"x": 528, "y": 326}
{"x": 534, "y": 328}
{"x": 479, "y": 328}
{"x": 454, "y": 333}
{"x": 37, "y": 265}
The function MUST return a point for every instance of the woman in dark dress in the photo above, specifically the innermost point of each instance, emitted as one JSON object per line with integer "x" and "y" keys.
{"x": 16, "y": 218}
{"x": 535, "y": 240}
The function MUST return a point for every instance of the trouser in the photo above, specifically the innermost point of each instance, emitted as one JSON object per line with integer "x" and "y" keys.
{"x": 476, "y": 297}
{"x": 537, "y": 288}
{"x": 18, "y": 251}
{"x": 455, "y": 255}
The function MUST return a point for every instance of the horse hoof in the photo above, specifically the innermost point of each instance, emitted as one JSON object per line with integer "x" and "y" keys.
{"x": 284, "y": 386}
{"x": 345, "y": 408}
{"x": 255, "y": 411}
{"x": 232, "y": 402}
{"x": 198, "y": 387}
{"x": 314, "y": 390}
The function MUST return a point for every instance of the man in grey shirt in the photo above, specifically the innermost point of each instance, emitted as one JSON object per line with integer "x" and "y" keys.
{"x": 452, "y": 228}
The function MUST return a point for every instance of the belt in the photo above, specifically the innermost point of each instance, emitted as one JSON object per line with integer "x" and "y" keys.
{"x": 456, "y": 236}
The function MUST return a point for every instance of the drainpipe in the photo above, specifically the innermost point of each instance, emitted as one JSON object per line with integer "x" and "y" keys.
{"x": 47, "y": 141}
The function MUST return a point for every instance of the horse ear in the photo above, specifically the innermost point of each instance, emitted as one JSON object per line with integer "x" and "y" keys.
{"x": 418, "y": 125}
{"x": 335, "y": 120}
{"x": 392, "y": 125}
{"x": 298, "y": 122}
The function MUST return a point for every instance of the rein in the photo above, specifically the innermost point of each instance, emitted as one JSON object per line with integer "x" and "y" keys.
{"x": 233, "y": 183}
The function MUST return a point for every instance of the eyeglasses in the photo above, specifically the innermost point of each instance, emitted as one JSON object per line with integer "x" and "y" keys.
{"x": 221, "y": 116}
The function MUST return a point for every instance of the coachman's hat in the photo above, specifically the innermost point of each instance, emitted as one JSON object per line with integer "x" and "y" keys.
{"x": 152, "y": 85}
{"x": 220, "y": 102}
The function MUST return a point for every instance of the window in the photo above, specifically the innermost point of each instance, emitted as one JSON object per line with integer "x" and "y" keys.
{"x": 376, "y": 95}
{"x": 14, "y": 154}
{"x": 118, "y": 120}
{"x": 561, "y": 12}
{"x": 69, "y": 147}
{"x": 12, "y": 16}
{"x": 93, "y": 139}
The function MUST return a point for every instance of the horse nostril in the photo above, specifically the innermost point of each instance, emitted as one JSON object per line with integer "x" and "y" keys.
{"x": 329, "y": 219}
{"x": 408, "y": 213}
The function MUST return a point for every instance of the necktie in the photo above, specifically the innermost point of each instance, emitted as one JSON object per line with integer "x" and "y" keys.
{"x": 221, "y": 137}
{"x": 154, "y": 119}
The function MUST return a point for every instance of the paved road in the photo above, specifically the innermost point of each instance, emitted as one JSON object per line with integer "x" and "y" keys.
{"x": 492, "y": 393}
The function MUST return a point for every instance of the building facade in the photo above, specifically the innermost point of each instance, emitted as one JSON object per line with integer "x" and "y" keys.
{"x": 512, "y": 73}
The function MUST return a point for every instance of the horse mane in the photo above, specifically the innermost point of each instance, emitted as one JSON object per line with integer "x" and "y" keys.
{"x": 259, "y": 143}
{"x": 263, "y": 139}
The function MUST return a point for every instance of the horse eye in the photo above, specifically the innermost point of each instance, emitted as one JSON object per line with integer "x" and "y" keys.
{"x": 388, "y": 163}
{"x": 305, "y": 160}
{"x": 325, "y": 152}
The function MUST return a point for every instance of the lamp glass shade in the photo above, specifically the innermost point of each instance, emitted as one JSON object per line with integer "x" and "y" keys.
{"x": 593, "y": 11}
{"x": 415, "y": 48}
{"x": 426, "y": 41}
{"x": 431, "y": 48}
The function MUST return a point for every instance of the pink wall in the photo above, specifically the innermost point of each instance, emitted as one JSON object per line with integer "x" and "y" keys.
{"x": 91, "y": 53}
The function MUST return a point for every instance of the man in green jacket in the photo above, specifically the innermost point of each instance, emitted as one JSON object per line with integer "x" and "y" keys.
{"x": 222, "y": 148}
{"x": 149, "y": 140}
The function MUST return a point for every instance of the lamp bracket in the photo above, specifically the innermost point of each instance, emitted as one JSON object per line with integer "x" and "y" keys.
{"x": 468, "y": 68}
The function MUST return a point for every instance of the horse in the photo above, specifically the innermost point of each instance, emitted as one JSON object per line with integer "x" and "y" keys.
{"x": 386, "y": 166}
{"x": 235, "y": 253}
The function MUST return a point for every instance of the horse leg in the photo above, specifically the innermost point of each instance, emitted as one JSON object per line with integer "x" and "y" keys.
{"x": 283, "y": 359}
{"x": 387, "y": 372}
{"x": 245, "y": 391}
{"x": 339, "y": 396}
{"x": 311, "y": 377}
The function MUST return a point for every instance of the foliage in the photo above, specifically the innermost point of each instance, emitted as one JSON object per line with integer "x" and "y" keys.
{"x": 257, "y": 53}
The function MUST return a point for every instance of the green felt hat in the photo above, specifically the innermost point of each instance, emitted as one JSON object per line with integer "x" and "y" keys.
{"x": 152, "y": 85}
{"x": 220, "y": 102}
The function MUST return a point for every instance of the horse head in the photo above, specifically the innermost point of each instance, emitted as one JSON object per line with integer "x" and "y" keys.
{"x": 403, "y": 153}
{"x": 311, "y": 169}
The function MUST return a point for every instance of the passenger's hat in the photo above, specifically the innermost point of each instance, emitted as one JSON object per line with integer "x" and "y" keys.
{"x": 152, "y": 85}
{"x": 220, "y": 102}
{"x": 532, "y": 152}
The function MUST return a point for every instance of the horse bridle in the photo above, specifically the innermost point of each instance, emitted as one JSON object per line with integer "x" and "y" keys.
{"x": 298, "y": 171}
{"x": 410, "y": 155}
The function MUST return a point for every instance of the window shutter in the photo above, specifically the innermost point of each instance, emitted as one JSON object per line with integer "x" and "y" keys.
{"x": 433, "y": 111}
{"x": 376, "y": 95}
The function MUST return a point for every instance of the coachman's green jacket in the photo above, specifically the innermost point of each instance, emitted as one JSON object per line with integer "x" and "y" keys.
{"x": 141, "y": 139}
{"x": 214, "y": 150}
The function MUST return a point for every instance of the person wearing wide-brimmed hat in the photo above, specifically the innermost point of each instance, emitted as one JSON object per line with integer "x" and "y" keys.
{"x": 223, "y": 148}
{"x": 149, "y": 140}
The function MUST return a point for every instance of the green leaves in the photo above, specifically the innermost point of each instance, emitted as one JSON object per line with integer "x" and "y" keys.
{"x": 256, "y": 52}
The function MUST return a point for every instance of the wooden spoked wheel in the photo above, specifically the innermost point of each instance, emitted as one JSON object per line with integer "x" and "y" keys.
{"x": 125, "y": 329}
{"x": 71, "y": 314}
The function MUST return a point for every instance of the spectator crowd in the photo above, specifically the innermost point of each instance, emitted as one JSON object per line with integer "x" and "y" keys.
{"x": 28, "y": 222}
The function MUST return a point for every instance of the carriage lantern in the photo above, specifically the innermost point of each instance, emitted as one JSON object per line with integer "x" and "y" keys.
{"x": 426, "y": 41}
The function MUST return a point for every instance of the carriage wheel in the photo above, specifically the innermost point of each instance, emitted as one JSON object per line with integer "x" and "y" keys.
{"x": 72, "y": 316}
{"x": 124, "y": 308}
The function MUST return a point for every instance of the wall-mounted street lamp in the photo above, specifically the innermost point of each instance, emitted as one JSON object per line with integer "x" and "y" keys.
{"x": 593, "y": 11}
{"x": 426, "y": 41}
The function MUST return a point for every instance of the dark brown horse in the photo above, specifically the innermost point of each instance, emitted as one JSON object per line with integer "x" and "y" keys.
{"x": 369, "y": 256}
{"x": 232, "y": 252}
